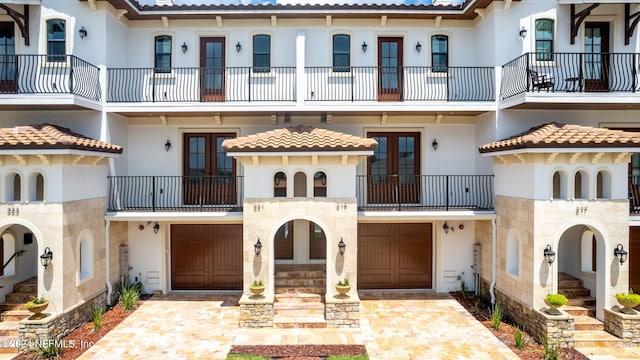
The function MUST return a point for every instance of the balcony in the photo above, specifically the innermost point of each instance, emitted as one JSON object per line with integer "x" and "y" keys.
{"x": 47, "y": 75}
{"x": 634, "y": 194}
{"x": 175, "y": 193}
{"x": 571, "y": 80}
{"x": 279, "y": 84}
{"x": 424, "y": 192}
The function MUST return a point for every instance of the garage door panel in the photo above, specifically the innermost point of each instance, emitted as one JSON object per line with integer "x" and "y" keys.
{"x": 206, "y": 257}
{"x": 394, "y": 256}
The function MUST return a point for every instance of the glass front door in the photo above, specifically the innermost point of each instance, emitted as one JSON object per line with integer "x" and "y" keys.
{"x": 8, "y": 60}
{"x": 596, "y": 58}
{"x": 389, "y": 69}
{"x": 212, "y": 69}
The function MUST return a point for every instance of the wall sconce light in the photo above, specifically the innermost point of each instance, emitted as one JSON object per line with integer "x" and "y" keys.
{"x": 258, "y": 247}
{"x": 184, "y": 47}
{"x": 364, "y": 46}
{"x": 549, "y": 254}
{"x": 82, "y": 32}
{"x": 341, "y": 247}
{"x": 418, "y": 46}
{"x": 434, "y": 145}
{"x": 238, "y": 47}
{"x": 167, "y": 145}
{"x": 522, "y": 32}
{"x": 156, "y": 228}
{"x": 446, "y": 228}
{"x": 45, "y": 258}
{"x": 620, "y": 253}
{"x": 140, "y": 227}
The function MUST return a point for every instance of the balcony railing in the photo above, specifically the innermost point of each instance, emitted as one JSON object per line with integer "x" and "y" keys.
{"x": 403, "y": 83}
{"x": 634, "y": 194}
{"x": 425, "y": 192}
{"x": 175, "y": 193}
{"x": 228, "y": 84}
{"x": 571, "y": 72}
{"x": 49, "y": 74}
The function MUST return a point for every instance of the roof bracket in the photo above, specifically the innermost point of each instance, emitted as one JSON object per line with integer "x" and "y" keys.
{"x": 274, "y": 21}
{"x": 438, "y": 21}
{"x": 630, "y": 22}
{"x": 92, "y": 5}
{"x": 383, "y": 21}
{"x": 328, "y": 20}
{"x": 121, "y": 13}
{"x": 22, "y": 20}
{"x": 165, "y": 22}
{"x": 218, "y": 21}
{"x": 578, "y": 18}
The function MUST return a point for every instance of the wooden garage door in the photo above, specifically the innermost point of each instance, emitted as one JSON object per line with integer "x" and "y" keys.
{"x": 394, "y": 256}
{"x": 206, "y": 257}
{"x": 634, "y": 261}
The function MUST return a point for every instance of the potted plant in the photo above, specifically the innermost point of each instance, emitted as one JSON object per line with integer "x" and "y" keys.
{"x": 628, "y": 301}
{"x": 37, "y": 305}
{"x": 554, "y": 301}
{"x": 343, "y": 287}
{"x": 256, "y": 287}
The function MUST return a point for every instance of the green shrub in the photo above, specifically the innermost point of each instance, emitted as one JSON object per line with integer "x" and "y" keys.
{"x": 129, "y": 295}
{"x": 518, "y": 339}
{"x": 496, "y": 316}
{"x": 630, "y": 297}
{"x": 551, "y": 352}
{"x": 96, "y": 317}
{"x": 257, "y": 284}
{"x": 345, "y": 282}
{"x": 48, "y": 349}
{"x": 556, "y": 299}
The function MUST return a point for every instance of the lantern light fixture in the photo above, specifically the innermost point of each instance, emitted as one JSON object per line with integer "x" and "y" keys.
{"x": 434, "y": 145}
{"x": 364, "y": 46}
{"x": 46, "y": 257}
{"x": 258, "y": 247}
{"x": 620, "y": 253}
{"x": 82, "y": 32}
{"x": 184, "y": 47}
{"x": 156, "y": 228}
{"x": 418, "y": 47}
{"x": 341, "y": 246}
{"x": 549, "y": 254}
{"x": 522, "y": 32}
{"x": 238, "y": 47}
{"x": 167, "y": 145}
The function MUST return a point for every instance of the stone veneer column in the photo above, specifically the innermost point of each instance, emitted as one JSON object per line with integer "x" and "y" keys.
{"x": 256, "y": 311}
{"x": 624, "y": 326}
{"x": 343, "y": 311}
{"x": 556, "y": 329}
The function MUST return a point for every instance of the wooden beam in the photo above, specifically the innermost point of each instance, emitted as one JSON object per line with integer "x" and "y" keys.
{"x": 551, "y": 157}
{"x": 383, "y": 21}
{"x": 219, "y": 21}
{"x": 314, "y": 160}
{"x": 20, "y": 159}
{"x": 97, "y": 160}
{"x": 438, "y": 21}
{"x": 480, "y": 12}
{"x": 285, "y": 160}
{"x": 92, "y": 5}
{"x": 507, "y": 4}
{"x": 163, "y": 120}
{"x": 439, "y": 118}
{"x": 503, "y": 159}
{"x": 329, "y": 118}
{"x": 44, "y": 159}
{"x": 22, "y": 20}
{"x": 328, "y": 20}
{"x": 574, "y": 158}
{"x": 383, "y": 119}
{"x": 77, "y": 160}
{"x": 344, "y": 160}
{"x": 621, "y": 157}
{"x": 255, "y": 160}
{"x": 217, "y": 119}
{"x": 274, "y": 119}
{"x": 578, "y": 18}
{"x": 596, "y": 157}
{"x": 165, "y": 22}
{"x": 121, "y": 13}
{"x": 630, "y": 22}
{"x": 274, "y": 21}
{"x": 521, "y": 158}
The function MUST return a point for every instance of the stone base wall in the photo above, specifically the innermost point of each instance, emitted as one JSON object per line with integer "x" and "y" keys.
{"x": 32, "y": 332}
{"x": 256, "y": 315}
{"x": 342, "y": 314}
{"x": 558, "y": 330}
{"x": 624, "y": 326}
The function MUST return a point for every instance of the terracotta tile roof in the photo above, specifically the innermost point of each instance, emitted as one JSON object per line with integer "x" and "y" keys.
{"x": 47, "y": 136}
{"x": 555, "y": 135}
{"x": 299, "y": 138}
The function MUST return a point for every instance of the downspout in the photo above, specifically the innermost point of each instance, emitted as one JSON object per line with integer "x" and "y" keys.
{"x": 106, "y": 263}
{"x": 494, "y": 246}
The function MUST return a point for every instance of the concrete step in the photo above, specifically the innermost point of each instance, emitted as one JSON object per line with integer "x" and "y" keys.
{"x": 23, "y": 297}
{"x": 9, "y": 345}
{"x": 309, "y": 321}
{"x": 611, "y": 354}
{"x": 297, "y": 274}
{"x": 300, "y": 290}
{"x": 580, "y": 310}
{"x": 306, "y": 282}
{"x": 298, "y": 309}
{"x": 574, "y": 292}
{"x": 293, "y": 297}
{"x": 29, "y": 286}
{"x": 9, "y": 328}
{"x": 587, "y": 323}
{"x": 10, "y": 306}
{"x": 595, "y": 338}
{"x": 584, "y": 301}
{"x": 15, "y": 315}
{"x": 567, "y": 281}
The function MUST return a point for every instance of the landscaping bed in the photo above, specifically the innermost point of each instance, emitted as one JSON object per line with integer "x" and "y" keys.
{"x": 532, "y": 350}
{"x": 298, "y": 352}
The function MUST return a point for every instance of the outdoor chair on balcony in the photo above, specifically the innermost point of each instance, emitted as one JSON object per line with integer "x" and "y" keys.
{"x": 540, "y": 81}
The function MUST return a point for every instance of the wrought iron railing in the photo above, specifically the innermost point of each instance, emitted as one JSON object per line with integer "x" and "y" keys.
{"x": 404, "y": 83}
{"x": 189, "y": 84}
{"x": 425, "y": 192}
{"x": 49, "y": 74}
{"x": 571, "y": 72}
{"x": 175, "y": 193}
{"x": 634, "y": 194}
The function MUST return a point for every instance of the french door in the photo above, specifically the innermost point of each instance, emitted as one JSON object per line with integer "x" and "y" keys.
{"x": 389, "y": 69}
{"x": 209, "y": 174}
{"x": 394, "y": 169}
{"x": 8, "y": 60}
{"x": 596, "y": 58}
{"x": 212, "y": 69}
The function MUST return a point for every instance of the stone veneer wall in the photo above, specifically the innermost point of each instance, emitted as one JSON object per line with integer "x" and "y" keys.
{"x": 343, "y": 314}
{"x": 256, "y": 314}
{"x": 56, "y": 327}
{"x": 624, "y": 326}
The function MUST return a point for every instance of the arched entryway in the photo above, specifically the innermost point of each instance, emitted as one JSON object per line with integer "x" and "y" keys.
{"x": 581, "y": 267}
{"x": 19, "y": 252}
{"x": 300, "y": 242}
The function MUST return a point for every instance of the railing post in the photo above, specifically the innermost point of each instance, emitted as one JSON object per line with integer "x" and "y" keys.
{"x": 526, "y": 73}
{"x": 249, "y": 84}
{"x": 71, "y": 59}
{"x": 447, "y": 193}
{"x": 352, "y": 85}
{"x": 397, "y": 190}
{"x": 153, "y": 193}
{"x": 634, "y": 72}
{"x": 153, "y": 86}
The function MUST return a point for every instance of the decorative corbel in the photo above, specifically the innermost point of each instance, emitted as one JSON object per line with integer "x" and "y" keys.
{"x": 578, "y": 18}
{"x": 22, "y": 20}
{"x": 630, "y": 22}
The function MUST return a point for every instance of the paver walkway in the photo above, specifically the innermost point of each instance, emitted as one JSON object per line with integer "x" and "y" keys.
{"x": 398, "y": 326}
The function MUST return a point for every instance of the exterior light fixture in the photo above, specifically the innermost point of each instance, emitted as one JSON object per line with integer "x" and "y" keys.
{"x": 258, "y": 247}
{"x": 45, "y": 258}
{"x": 156, "y": 227}
{"x": 446, "y": 228}
{"x": 549, "y": 254}
{"x": 82, "y": 32}
{"x": 167, "y": 145}
{"x": 184, "y": 47}
{"x": 341, "y": 247}
{"x": 434, "y": 145}
{"x": 364, "y": 46}
{"x": 418, "y": 46}
{"x": 522, "y": 33}
{"x": 238, "y": 47}
{"x": 620, "y": 253}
